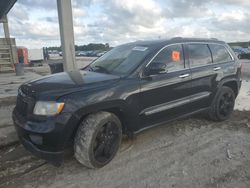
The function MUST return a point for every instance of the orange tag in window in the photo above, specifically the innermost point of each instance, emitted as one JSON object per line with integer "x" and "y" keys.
{"x": 176, "y": 56}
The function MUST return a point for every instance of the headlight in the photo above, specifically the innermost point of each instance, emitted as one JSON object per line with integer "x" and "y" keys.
{"x": 48, "y": 108}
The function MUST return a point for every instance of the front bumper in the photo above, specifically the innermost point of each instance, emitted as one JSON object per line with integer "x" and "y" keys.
{"x": 56, "y": 158}
{"x": 46, "y": 139}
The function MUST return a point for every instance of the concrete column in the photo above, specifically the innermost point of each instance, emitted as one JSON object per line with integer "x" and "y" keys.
{"x": 6, "y": 27}
{"x": 67, "y": 34}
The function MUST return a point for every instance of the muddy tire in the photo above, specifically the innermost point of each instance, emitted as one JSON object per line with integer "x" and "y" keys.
{"x": 97, "y": 139}
{"x": 223, "y": 104}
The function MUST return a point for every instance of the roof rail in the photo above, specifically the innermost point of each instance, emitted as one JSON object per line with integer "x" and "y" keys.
{"x": 175, "y": 38}
{"x": 213, "y": 38}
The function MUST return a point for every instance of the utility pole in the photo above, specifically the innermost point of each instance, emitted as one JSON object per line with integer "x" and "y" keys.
{"x": 64, "y": 9}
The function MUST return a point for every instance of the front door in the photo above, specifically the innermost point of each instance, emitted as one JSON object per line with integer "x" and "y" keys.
{"x": 165, "y": 95}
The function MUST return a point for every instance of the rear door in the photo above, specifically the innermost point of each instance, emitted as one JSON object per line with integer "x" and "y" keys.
{"x": 203, "y": 75}
{"x": 223, "y": 62}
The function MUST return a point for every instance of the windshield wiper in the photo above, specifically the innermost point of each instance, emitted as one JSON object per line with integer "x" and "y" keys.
{"x": 102, "y": 69}
{"x": 88, "y": 68}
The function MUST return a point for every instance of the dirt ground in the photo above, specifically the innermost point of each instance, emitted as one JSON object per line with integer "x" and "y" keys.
{"x": 188, "y": 153}
{"x": 191, "y": 153}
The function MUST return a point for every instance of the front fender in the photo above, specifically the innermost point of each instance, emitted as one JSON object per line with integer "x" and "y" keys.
{"x": 119, "y": 104}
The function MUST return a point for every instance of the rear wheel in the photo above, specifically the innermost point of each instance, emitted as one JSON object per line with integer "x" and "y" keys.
{"x": 98, "y": 139}
{"x": 223, "y": 104}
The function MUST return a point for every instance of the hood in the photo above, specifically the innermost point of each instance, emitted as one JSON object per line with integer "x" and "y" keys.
{"x": 67, "y": 82}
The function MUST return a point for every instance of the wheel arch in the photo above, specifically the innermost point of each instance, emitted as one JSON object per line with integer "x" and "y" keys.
{"x": 118, "y": 107}
{"x": 233, "y": 85}
{"x": 231, "y": 82}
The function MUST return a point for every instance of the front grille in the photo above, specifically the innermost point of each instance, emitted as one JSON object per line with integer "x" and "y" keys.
{"x": 25, "y": 90}
{"x": 25, "y": 101}
{"x": 22, "y": 106}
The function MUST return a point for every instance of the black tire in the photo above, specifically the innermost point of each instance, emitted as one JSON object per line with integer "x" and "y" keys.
{"x": 97, "y": 139}
{"x": 239, "y": 56}
{"x": 223, "y": 104}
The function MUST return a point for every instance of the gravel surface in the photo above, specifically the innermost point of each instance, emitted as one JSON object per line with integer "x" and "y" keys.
{"x": 191, "y": 153}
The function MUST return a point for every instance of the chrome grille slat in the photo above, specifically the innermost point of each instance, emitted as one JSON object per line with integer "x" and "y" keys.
{"x": 25, "y": 102}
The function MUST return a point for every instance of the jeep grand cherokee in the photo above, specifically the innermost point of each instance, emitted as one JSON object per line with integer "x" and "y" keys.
{"x": 130, "y": 88}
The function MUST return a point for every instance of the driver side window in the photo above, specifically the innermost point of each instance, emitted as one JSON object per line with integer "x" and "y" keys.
{"x": 172, "y": 57}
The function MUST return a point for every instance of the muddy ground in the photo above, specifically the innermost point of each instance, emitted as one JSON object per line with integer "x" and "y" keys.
{"x": 188, "y": 153}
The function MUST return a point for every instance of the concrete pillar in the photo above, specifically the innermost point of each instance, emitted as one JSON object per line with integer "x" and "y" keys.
{"x": 6, "y": 27}
{"x": 64, "y": 9}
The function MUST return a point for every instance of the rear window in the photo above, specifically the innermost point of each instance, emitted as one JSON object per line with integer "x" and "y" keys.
{"x": 199, "y": 54}
{"x": 220, "y": 53}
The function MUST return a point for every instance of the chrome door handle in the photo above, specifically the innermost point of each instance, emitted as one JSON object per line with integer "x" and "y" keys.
{"x": 183, "y": 75}
{"x": 217, "y": 68}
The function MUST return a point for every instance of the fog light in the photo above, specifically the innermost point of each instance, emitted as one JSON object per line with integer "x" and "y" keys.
{"x": 36, "y": 139}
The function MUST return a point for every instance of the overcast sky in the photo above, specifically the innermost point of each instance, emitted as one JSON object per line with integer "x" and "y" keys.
{"x": 34, "y": 23}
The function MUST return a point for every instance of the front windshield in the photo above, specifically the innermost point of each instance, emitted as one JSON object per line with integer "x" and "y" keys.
{"x": 120, "y": 60}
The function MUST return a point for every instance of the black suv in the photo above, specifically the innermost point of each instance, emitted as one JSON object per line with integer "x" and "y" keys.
{"x": 130, "y": 88}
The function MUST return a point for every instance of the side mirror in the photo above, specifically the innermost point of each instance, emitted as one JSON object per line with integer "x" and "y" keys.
{"x": 155, "y": 68}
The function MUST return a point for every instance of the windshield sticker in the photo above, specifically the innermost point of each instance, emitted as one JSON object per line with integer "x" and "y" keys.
{"x": 140, "y": 48}
{"x": 176, "y": 56}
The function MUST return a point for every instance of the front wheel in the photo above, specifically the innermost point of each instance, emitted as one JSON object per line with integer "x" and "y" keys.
{"x": 98, "y": 139}
{"x": 223, "y": 104}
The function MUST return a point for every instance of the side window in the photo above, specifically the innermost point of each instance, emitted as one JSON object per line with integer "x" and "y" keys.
{"x": 172, "y": 56}
{"x": 220, "y": 53}
{"x": 199, "y": 54}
